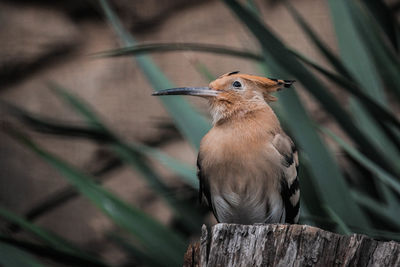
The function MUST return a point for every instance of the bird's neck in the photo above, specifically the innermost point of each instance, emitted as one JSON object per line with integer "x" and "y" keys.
{"x": 238, "y": 136}
{"x": 253, "y": 115}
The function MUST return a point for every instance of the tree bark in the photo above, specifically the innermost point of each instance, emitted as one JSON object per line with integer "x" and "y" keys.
{"x": 287, "y": 245}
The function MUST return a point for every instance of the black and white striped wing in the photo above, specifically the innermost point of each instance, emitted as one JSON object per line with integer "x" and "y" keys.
{"x": 204, "y": 188}
{"x": 290, "y": 189}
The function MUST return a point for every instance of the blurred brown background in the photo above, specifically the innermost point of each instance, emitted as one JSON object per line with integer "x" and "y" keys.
{"x": 41, "y": 41}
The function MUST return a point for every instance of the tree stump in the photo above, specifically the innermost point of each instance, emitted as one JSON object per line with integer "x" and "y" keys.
{"x": 287, "y": 245}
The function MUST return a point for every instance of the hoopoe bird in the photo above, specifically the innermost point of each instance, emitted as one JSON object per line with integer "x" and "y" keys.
{"x": 247, "y": 165}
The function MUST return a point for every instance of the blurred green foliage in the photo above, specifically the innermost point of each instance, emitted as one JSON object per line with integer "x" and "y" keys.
{"x": 361, "y": 199}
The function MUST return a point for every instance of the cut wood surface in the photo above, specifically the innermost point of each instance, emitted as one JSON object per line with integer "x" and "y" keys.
{"x": 287, "y": 245}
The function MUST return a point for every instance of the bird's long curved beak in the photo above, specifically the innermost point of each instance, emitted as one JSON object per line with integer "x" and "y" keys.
{"x": 195, "y": 91}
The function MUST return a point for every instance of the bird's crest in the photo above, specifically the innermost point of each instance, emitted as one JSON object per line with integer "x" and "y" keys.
{"x": 267, "y": 85}
{"x": 229, "y": 74}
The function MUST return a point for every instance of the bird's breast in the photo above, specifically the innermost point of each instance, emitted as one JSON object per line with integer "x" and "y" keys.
{"x": 242, "y": 172}
{"x": 240, "y": 166}
{"x": 234, "y": 151}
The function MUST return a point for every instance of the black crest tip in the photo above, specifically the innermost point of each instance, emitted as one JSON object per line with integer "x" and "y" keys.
{"x": 233, "y": 72}
{"x": 288, "y": 83}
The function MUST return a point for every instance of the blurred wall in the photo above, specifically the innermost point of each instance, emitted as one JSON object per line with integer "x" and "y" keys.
{"x": 42, "y": 41}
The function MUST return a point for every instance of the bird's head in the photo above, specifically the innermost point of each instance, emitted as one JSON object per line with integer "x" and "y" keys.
{"x": 233, "y": 93}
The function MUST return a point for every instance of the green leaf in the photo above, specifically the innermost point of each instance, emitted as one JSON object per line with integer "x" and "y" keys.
{"x": 342, "y": 227}
{"x": 184, "y": 211}
{"x": 169, "y": 47}
{"x": 80, "y": 107}
{"x": 189, "y": 122}
{"x": 352, "y": 88}
{"x": 48, "y": 237}
{"x": 382, "y": 234}
{"x": 163, "y": 47}
{"x": 381, "y": 174}
{"x": 374, "y": 102}
{"x": 311, "y": 196}
{"x": 325, "y": 171}
{"x": 151, "y": 234}
{"x": 352, "y": 49}
{"x": 386, "y": 61}
{"x": 44, "y": 235}
{"x": 357, "y": 58}
{"x": 335, "y": 62}
{"x": 59, "y": 256}
{"x": 376, "y": 108}
{"x": 133, "y": 154}
{"x": 386, "y": 18}
{"x": 204, "y": 71}
{"x": 378, "y": 209}
{"x": 345, "y": 80}
{"x": 11, "y": 256}
{"x": 369, "y": 102}
{"x": 186, "y": 172}
{"x": 277, "y": 53}
{"x": 372, "y": 232}
{"x": 386, "y": 180}
{"x": 374, "y": 129}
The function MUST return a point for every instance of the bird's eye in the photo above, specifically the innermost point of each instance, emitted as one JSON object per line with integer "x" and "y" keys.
{"x": 236, "y": 84}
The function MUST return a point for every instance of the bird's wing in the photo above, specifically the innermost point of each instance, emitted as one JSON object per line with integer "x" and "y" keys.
{"x": 204, "y": 187}
{"x": 290, "y": 190}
